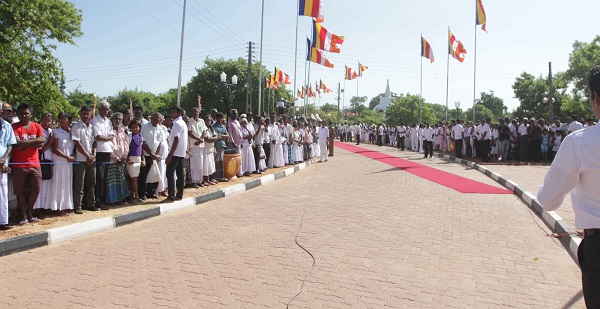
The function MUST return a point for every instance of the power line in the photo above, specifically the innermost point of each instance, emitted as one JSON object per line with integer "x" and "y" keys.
{"x": 216, "y": 19}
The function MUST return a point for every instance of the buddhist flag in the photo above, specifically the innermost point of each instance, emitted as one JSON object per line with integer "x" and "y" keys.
{"x": 480, "y": 18}
{"x": 361, "y": 69}
{"x": 267, "y": 82}
{"x": 323, "y": 87}
{"x": 350, "y": 74}
{"x": 281, "y": 77}
{"x": 316, "y": 56}
{"x": 426, "y": 50}
{"x": 325, "y": 40}
{"x": 318, "y": 89}
{"x": 313, "y": 8}
{"x": 456, "y": 48}
{"x": 300, "y": 94}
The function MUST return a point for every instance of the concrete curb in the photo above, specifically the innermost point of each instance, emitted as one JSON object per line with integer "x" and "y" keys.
{"x": 60, "y": 234}
{"x": 552, "y": 220}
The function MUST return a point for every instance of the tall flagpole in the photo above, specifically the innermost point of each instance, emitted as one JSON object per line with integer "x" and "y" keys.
{"x": 421, "y": 86}
{"x": 357, "y": 79}
{"x": 181, "y": 57}
{"x": 262, "y": 20}
{"x": 344, "y": 96}
{"x": 475, "y": 69}
{"x": 308, "y": 83}
{"x": 295, "y": 51}
{"x": 447, "y": 73}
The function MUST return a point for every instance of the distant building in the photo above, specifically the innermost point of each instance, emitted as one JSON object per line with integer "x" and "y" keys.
{"x": 385, "y": 100}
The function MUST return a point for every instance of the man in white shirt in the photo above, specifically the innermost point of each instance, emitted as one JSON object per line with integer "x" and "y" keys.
{"x": 401, "y": 136}
{"x": 196, "y": 129}
{"x": 380, "y": 135}
{"x": 574, "y": 125}
{"x": 323, "y": 136}
{"x": 288, "y": 133}
{"x": 152, "y": 136}
{"x": 178, "y": 142}
{"x": 414, "y": 137}
{"x": 556, "y": 125}
{"x": 523, "y": 140}
{"x": 357, "y": 133}
{"x": 280, "y": 107}
{"x": 486, "y": 137}
{"x": 576, "y": 169}
{"x": 428, "y": 140}
{"x": 103, "y": 134}
{"x": 138, "y": 113}
{"x": 457, "y": 134}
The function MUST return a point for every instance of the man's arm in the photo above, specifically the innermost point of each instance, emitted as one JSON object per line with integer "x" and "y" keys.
{"x": 561, "y": 178}
{"x": 31, "y": 143}
{"x": 173, "y": 147}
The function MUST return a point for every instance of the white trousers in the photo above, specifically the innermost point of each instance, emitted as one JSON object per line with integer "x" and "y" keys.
{"x": 196, "y": 163}
{"x": 324, "y": 152}
{"x": 3, "y": 199}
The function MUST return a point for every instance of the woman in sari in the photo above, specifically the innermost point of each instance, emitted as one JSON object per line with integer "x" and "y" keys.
{"x": 115, "y": 181}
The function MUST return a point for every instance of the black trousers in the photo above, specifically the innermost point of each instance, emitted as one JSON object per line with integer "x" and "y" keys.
{"x": 267, "y": 148}
{"x": 458, "y": 147}
{"x": 400, "y": 143}
{"x": 101, "y": 157}
{"x": 428, "y": 145}
{"x": 485, "y": 150}
{"x": 175, "y": 166}
{"x": 357, "y": 139}
{"x": 256, "y": 151}
{"x": 468, "y": 149}
{"x": 146, "y": 189}
{"x": 588, "y": 255}
{"x": 379, "y": 140}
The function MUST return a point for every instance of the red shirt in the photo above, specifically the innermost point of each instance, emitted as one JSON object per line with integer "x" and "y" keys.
{"x": 26, "y": 157}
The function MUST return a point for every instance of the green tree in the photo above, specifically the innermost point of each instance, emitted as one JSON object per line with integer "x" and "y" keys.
{"x": 370, "y": 117}
{"x": 79, "y": 98}
{"x": 531, "y": 92}
{"x": 583, "y": 57}
{"x": 439, "y": 112}
{"x": 29, "y": 31}
{"x": 405, "y": 108}
{"x": 207, "y": 84}
{"x": 481, "y": 112}
{"x": 357, "y": 104}
{"x": 375, "y": 101}
{"x": 329, "y": 108}
{"x": 493, "y": 103}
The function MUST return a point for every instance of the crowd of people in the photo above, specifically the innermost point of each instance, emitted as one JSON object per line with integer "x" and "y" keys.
{"x": 62, "y": 166}
{"x": 519, "y": 139}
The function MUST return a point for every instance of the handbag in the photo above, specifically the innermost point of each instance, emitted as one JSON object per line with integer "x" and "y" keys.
{"x": 46, "y": 167}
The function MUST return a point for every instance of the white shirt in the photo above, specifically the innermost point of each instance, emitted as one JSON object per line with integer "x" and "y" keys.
{"x": 85, "y": 135}
{"x": 180, "y": 131}
{"x": 197, "y": 128}
{"x": 402, "y": 131}
{"x": 513, "y": 131}
{"x": 523, "y": 129}
{"x": 102, "y": 127}
{"x": 152, "y": 136}
{"x": 428, "y": 134}
{"x": 554, "y": 127}
{"x": 323, "y": 134}
{"x": 458, "y": 130}
{"x": 486, "y": 128}
{"x": 356, "y": 130}
{"x": 576, "y": 169}
{"x": 575, "y": 125}
{"x": 380, "y": 130}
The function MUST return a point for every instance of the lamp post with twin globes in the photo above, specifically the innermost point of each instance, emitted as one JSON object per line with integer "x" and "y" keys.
{"x": 234, "y": 80}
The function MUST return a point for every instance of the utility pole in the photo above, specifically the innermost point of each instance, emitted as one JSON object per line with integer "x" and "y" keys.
{"x": 550, "y": 94}
{"x": 338, "y": 99}
{"x": 249, "y": 80}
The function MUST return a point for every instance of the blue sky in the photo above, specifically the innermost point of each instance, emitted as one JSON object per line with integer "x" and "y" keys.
{"x": 135, "y": 43}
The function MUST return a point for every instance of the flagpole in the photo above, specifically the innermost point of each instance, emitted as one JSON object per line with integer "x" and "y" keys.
{"x": 308, "y": 82}
{"x": 421, "y": 85}
{"x": 474, "y": 70}
{"x": 181, "y": 57}
{"x": 447, "y": 73}
{"x": 296, "y": 49}
{"x": 344, "y": 97}
{"x": 262, "y": 19}
{"x": 357, "y": 79}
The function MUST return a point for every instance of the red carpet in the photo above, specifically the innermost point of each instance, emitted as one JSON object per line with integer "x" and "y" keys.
{"x": 460, "y": 184}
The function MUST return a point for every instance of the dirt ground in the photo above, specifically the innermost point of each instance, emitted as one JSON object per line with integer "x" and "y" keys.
{"x": 53, "y": 221}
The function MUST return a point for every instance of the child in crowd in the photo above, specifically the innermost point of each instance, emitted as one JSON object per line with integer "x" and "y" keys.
{"x": 545, "y": 143}
{"x": 135, "y": 160}
{"x": 557, "y": 140}
{"x": 62, "y": 148}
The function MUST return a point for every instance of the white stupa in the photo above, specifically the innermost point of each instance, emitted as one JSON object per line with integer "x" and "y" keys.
{"x": 386, "y": 100}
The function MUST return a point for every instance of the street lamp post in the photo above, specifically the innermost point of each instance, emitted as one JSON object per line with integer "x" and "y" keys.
{"x": 550, "y": 101}
{"x": 234, "y": 80}
{"x": 457, "y": 104}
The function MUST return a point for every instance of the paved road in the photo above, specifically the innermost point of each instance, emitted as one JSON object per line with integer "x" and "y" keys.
{"x": 381, "y": 238}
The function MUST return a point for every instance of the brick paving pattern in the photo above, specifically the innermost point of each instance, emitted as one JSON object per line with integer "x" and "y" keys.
{"x": 381, "y": 238}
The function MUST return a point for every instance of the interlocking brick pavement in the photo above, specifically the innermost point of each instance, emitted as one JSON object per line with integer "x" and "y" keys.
{"x": 381, "y": 238}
